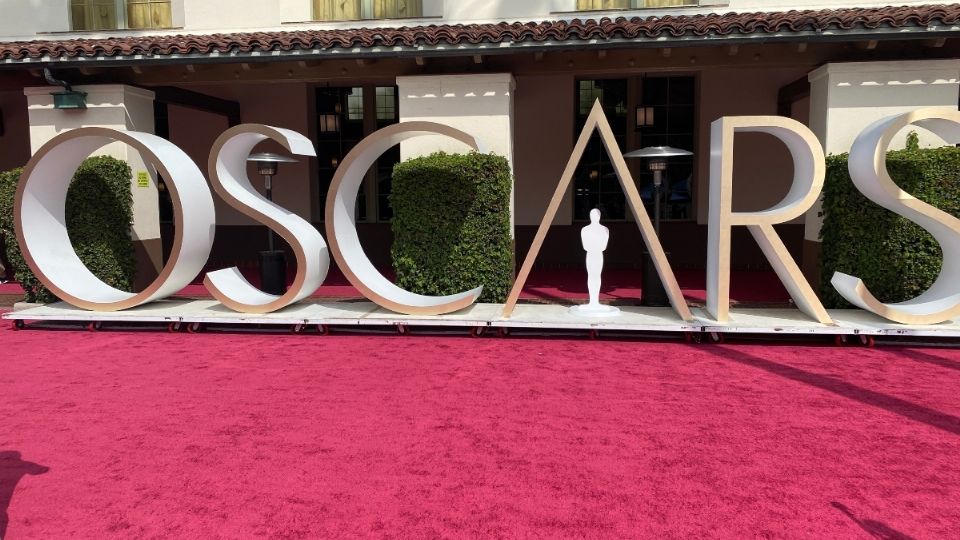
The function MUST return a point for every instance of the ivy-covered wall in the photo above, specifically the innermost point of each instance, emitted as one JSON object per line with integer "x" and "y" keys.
{"x": 451, "y": 225}
{"x": 894, "y": 257}
{"x": 99, "y": 212}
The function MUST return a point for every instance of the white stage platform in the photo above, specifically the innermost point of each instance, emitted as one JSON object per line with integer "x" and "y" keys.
{"x": 197, "y": 314}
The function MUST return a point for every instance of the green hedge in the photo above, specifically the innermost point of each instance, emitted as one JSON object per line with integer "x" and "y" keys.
{"x": 451, "y": 225}
{"x": 893, "y": 256}
{"x": 99, "y": 212}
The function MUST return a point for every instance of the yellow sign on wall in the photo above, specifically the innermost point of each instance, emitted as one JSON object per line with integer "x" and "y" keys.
{"x": 143, "y": 179}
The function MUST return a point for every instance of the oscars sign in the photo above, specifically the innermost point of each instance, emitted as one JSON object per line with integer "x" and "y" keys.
{"x": 40, "y": 222}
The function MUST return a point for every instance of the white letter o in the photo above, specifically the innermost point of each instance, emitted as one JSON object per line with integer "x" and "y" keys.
{"x": 41, "y": 227}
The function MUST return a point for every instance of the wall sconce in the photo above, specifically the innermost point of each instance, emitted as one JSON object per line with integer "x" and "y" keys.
{"x": 329, "y": 123}
{"x": 644, "y": 117}
{"x": 69, "y": 100}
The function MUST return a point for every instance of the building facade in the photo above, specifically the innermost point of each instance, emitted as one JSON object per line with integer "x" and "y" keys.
{"x": 521, "y": 76}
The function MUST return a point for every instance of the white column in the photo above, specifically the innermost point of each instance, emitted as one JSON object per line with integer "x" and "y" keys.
{"x": 119, "y": 107}
{"x": 481, "y": 105}
{"x": 845, "y": 98}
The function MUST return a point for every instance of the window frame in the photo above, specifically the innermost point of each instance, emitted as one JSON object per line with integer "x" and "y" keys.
{"x": 367, "y": 13}
{"x": 638, "y": 4}
{"x": 120, "y": 8}
{"x": 149, "y": 3}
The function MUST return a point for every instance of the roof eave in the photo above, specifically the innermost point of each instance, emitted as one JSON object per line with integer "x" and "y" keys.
{"x": 496, "y": 48}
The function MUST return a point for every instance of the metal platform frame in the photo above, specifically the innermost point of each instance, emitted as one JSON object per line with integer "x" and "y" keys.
{"x": 195, "y": 315}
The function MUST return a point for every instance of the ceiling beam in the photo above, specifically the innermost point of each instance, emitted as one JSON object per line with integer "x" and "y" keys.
{"x": 173, "y": 95}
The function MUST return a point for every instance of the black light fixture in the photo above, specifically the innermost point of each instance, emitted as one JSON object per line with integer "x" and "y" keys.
{"x": 273, "y": 264}
{"x": 645, "y": 116}
{"x": 653, "y": 293}
{"x": 69, "y": 98}
{"x": 329, "y": 123}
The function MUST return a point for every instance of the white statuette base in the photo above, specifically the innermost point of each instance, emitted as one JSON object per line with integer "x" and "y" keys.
{"x": 594, "y": 310}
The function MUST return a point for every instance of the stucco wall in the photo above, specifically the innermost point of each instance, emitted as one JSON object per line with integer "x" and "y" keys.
{"x": 119, "y": 107}
{"x": 848, "y": 97}
{"x": 479, "y": 104}
{"x": 281, "y": 105}
{"x": 763, "y": 168}
{"x": 543, "y": 140}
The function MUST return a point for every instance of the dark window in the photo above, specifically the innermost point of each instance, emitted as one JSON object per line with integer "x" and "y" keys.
{"x": 344, "y": 117}
{"x": 595, "y": 182}
{"x": 671, "y": 106}
{"x": 161, "y": 123}
{"x": 673, "y": 100}
{"x": 387, "y": 106}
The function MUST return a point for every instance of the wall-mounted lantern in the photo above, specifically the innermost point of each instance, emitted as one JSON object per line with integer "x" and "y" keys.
{"x": 644, "y": 117}
{"x": 69, "y": 100}
{"x": 329, "y": 123}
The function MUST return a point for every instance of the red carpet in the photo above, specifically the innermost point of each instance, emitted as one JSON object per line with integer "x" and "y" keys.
{"x": 141, "y": 435}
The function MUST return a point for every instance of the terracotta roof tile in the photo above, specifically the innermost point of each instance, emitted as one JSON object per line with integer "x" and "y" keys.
{"x": 636, "y": 28}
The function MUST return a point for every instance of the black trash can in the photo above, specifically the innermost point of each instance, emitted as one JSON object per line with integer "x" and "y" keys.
{"x": 653, "y": 294}
{"x": 273, "y": 272}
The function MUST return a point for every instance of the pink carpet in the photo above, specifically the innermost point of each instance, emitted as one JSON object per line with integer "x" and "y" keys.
{"x": 155, "y": 435}
{"x": 561, "y": 285}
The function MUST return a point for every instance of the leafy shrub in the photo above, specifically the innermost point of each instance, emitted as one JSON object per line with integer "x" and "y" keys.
{"x": 895, "y": 258}
{"x": 99, "y": 212}
{"x": 451, "y": 225}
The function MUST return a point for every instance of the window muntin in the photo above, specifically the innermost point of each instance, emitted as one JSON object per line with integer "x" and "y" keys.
{"x": 599, "y": 5}
{"x": 386, "y": 103}
{"x": 355, "y": 104}
{"x": 92, "y": 15}
{"x": 352, "y": 10}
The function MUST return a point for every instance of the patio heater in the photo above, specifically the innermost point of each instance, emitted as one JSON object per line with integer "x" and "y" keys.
{"x": 653, "y": 293}
{"x": 273, "y": 264}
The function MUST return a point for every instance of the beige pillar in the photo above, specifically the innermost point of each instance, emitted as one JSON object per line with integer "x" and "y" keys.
{"x": 119, "y": 107}
{"x": 481, "y": 105}
{"x": 845, "y": 98}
